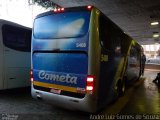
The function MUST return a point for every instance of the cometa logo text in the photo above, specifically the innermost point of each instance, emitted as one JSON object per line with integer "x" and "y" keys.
{"x": 54, "y": 77}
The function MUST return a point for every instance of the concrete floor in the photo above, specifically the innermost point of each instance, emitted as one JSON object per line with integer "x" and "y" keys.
{"x": 142, "y": 98}
{"x": 145, "y": 98}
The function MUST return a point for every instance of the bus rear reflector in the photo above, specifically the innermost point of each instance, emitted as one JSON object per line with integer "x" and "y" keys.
{"x": 31, "y": 75}
{"x": 90, "y": 84}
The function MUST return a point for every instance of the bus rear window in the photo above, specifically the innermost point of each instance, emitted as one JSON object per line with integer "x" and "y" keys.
{"x": 62, "y": 25}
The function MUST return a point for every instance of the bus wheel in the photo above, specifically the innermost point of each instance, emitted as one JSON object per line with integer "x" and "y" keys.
{"x": 121, "y": 88}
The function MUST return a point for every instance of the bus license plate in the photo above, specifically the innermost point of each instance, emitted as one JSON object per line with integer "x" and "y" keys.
{"x": 55, "y": 91}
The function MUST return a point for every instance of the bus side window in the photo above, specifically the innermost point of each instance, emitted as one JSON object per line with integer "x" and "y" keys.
{"x": 16, "y": 38}
{"x": 104, "y": 33}
{"x": 109, "y": 35}
{"x": 134, "y": 56}
{"x": 117, "y": 44}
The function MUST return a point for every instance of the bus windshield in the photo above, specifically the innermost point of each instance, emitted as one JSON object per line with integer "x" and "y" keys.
{"x": 62, "y": 25}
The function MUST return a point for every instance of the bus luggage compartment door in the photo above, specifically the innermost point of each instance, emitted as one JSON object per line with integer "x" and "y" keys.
{"x": 66, "y": 71}
{"x": 16, "y": 68}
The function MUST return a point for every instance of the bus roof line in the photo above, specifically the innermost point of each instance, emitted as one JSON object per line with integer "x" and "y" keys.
{"x": 70, "y": 9}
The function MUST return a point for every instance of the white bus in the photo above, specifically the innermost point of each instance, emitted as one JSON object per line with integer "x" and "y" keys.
{"x": 15, "y": 43}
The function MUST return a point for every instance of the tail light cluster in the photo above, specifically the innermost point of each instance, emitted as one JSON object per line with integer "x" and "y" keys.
{"x": 31, "y": 75}
{"x": 58, "y": 10}
{"x": 90, "y": 84}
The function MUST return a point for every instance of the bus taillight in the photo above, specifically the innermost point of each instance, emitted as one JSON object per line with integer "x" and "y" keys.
{"x": 62, "y": 9}
{"x": 89, "y": 7}
{"x": 58, "y": 10}
{"x": 90, "y": 85}
{"x": 31, "y": 75}
{"x": 55, "y": 10}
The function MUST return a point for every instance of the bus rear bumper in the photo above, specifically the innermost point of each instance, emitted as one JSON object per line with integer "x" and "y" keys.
{"x": 87, "y": 104}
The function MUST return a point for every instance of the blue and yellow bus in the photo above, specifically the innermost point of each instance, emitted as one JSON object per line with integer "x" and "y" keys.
{"x": 81, "y": 60}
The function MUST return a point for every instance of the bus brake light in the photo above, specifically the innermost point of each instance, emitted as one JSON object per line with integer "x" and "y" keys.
{"x": 55, "y": 10}
{"x": 90, "y": 81}
{"x": 62, "y": 9}
{"x": 58, "y": 10}
{"x": 31, "y": 75}
{"x": 89, "y": 7}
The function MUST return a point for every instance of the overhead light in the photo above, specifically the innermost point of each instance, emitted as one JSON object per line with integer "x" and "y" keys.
{"x": 156, "y": 35}
{"x": 154, "y": 23}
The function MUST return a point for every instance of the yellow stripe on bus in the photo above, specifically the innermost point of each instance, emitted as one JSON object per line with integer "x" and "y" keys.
{"x": 47, "y": 85}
